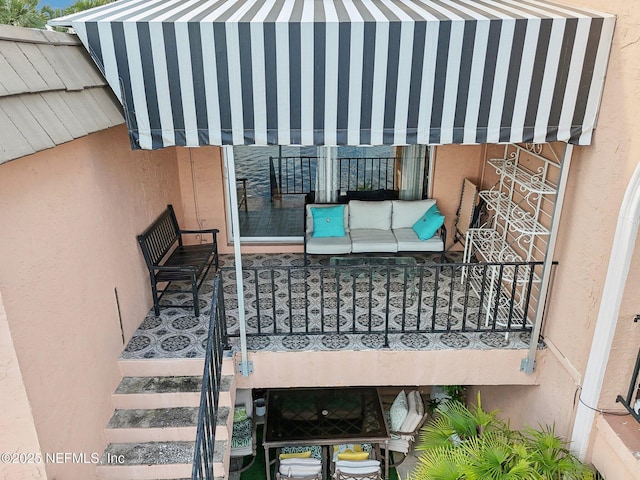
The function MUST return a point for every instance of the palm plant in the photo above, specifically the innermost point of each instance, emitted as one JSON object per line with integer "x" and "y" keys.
{"x": 469, "y": 443}
{"x": 21, "y": 13}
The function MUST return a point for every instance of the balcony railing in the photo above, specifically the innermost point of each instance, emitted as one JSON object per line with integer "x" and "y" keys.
{"x": 632, "y": 400}
{"x": 207, "y": 418}
{"x": 297, "y": 175}
{"x": 386, "y": 300}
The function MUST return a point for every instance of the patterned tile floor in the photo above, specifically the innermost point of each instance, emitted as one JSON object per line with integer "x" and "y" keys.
{"x": 177, "y": 333}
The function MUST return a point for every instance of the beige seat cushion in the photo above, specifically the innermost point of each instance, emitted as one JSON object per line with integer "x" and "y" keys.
{"x": 329, "y": 245}
{"x": 408, "y": 241}
{"x": 365, "y": 240}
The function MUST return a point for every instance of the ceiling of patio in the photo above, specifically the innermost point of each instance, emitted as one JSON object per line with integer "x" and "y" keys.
{"x": 350, "y": 72}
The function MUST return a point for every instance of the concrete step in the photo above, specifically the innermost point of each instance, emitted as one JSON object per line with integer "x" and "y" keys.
{"x": 154, "y": 460}
{"x": 166, "y": 392}
{"x": 160, "y": 425}
{"x": 158, "y": 392}
{"x": 158, "y": 367}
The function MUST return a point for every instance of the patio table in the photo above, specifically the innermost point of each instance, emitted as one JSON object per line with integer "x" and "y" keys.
{"x": 324, "y": 416}
{"x": 398, "y": 267}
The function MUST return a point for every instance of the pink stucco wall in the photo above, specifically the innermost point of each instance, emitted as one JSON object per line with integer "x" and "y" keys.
{"x": 18, "y": 436}
{"x": 69, "y": 217}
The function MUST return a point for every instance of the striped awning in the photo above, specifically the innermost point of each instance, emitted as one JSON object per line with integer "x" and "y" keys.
{"x": 350, "y": 72}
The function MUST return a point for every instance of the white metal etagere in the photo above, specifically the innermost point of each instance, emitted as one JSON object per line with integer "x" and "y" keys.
{"x": 518, "y": 211}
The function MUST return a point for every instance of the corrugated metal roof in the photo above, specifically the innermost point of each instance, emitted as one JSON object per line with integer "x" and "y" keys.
{"x": 51, "y": 92}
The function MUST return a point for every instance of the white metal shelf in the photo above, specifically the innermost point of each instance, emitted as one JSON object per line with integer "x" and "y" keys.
{"x": 518, "y": 220}
{"x": 489, "y": 246}
{"x": 530, "y": 181}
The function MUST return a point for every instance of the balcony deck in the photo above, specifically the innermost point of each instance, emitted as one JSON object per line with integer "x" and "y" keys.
{"x": 177, "y": 333}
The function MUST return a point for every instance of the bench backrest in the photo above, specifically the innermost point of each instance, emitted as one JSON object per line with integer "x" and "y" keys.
{"x": 160, "y": 237}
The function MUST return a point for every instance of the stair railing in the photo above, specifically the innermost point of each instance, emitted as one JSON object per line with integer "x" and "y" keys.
{"x": 203, "y": 459}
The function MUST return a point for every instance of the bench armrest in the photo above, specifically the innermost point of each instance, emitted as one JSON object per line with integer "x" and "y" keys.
{"x": 209, "y": 230}
{"x": 182, "y": 268}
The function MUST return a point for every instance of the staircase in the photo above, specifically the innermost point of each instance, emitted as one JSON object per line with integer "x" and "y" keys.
{"x": 152, "y": 432}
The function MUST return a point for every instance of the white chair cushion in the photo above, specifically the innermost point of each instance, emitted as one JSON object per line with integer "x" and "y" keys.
{"x": 400, "y": 445}
{"x": 359, "y": 470}
{"x": 407, "y": 241}
{"x": 306, "y": 462}
{"x": 329, "y": 245}
{"x": 340, "y": 464}
{"x": 415, "y": 412}
{"x": 309, "y": 226}
{"x": 370, "y": 215}
{"x": 365, "y": 240}
{"x": 358, "y": 466}
{"x": 300, "y": 470}
{"x": 407, "y": 212}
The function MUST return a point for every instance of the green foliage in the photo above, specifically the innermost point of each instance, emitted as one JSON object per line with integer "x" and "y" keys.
{"x": 25, "y": 13}
{"x": 470, "y": 443}
{"x": 21, "y": 13}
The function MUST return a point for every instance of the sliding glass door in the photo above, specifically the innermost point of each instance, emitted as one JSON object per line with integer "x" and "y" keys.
{"x": 274, "y": 183}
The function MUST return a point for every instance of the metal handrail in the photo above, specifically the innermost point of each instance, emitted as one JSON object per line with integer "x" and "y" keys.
{"x": 210, "y": 392}
{"x": 317, "y": 300}
{"x": 633, "y": 395}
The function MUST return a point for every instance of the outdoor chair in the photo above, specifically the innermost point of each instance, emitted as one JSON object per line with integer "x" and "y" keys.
{"x": 366, "y": 469}
{"x": 468, "y": 212}
{"x": 243, "y": 438}
{"x": 354, "y": 458}
{"x": 301, "y": 463}
{"x": 406, "y": 416}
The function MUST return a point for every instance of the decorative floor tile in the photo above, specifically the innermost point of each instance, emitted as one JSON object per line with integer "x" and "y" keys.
{"x": 177, "y": 333}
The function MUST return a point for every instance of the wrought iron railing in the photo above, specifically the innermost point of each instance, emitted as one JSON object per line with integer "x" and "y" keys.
{"x": 203, "y": 459}
{"x": 296, "y": 175}
{"x": 632, "y": 400}
{"x": 385, "y": 300}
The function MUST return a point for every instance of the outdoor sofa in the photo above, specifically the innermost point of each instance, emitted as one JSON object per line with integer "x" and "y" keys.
{"x": 387, "y": 226}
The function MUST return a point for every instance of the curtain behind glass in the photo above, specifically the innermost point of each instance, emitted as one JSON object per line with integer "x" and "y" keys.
{"x": 412, "y": 172}
{"x": 327, "y": 188}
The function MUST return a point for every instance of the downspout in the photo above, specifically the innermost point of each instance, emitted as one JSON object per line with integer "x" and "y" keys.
{"x": 529, "y": 362}
{"x": 619, "y": 262}
{"x": 230, "y": 167}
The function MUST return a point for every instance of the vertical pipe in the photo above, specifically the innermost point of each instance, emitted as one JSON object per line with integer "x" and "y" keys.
{"x": 237, "y": 254}
{"x": 528, "y": 363}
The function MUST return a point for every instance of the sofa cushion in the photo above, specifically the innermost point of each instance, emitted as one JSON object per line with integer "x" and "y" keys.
{"x": 407, "y": 212}
{"x": 370, "y": 215}
{"x": 408, "y": 241}
{"x": 373, "y": 240}
{"x": 328, "y": 222}
{"x": 429, "y": 223}
{"x": 309, "y": 225}
{"x": 329, "y": 245}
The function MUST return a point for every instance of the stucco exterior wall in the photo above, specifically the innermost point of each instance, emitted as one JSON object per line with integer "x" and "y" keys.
{"x": 451, "y": 165}
{"x": 18, "y": 436}
{"x": 69, "y": 217}
{"x": 385, "y": 367}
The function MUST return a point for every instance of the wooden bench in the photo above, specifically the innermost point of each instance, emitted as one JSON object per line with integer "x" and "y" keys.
{"x": 168, "y": 260}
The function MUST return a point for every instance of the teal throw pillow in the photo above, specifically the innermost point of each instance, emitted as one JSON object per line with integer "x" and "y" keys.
{"x": 429, "y": 223}
{"x": 328, "y": 221}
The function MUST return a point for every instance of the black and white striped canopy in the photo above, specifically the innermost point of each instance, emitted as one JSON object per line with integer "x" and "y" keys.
{"x": 350, "y": 72}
